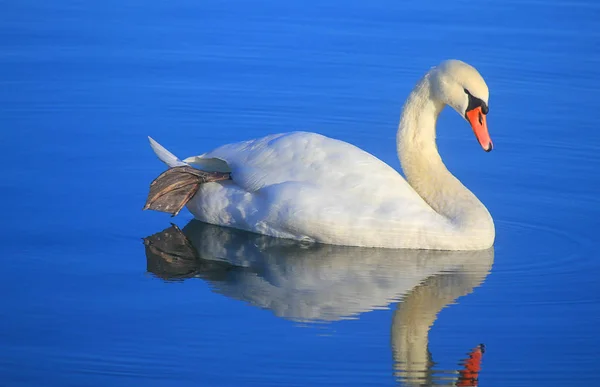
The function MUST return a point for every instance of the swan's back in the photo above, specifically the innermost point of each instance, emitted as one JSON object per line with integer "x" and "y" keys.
{"x": 309, "y": 158}
{"x": 307, "y": 186}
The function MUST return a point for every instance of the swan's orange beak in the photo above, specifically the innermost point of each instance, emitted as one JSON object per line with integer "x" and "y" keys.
{"x": 477, "y": 120}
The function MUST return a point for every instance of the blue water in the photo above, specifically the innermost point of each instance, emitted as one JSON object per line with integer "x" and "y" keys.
{"x": 86, "y": 303}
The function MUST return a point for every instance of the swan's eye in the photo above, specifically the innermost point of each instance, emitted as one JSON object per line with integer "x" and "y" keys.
{"x": 475, "y": 102}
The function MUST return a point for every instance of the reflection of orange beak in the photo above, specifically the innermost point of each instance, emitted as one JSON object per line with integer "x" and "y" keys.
{"x": 477, "y": 120}
{"x": 469, "y": 376}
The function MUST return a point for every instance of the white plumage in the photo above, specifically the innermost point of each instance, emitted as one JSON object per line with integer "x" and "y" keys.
{"x": 306, "y": 186}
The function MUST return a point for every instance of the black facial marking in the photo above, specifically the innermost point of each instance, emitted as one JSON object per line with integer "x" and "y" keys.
{"x": 475, "y": 102}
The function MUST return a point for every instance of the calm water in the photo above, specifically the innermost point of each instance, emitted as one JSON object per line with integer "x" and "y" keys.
{"x": 87, "y": 302}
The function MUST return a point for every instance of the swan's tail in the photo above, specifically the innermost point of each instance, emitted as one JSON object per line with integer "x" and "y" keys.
{"x": 164, "y": 155}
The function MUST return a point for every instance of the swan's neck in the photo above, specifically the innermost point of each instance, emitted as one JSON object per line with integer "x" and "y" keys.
{"x": 425, "y": 171}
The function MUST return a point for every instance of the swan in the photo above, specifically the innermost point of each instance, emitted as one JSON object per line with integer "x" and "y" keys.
{"x": 308, "y": 187}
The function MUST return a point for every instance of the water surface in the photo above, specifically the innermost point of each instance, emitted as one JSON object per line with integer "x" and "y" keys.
{"x": 85, "y": 301}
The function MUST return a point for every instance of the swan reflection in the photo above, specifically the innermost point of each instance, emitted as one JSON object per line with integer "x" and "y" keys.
{"x": 315, "y": 282}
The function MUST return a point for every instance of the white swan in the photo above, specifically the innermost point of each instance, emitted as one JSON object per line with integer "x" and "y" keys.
{"x": 306, "y": 186}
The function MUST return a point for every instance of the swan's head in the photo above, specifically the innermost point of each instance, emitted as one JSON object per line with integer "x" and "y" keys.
{"x": 460, "y": 86}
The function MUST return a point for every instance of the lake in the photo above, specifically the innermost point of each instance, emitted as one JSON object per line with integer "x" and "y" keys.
{"x": 97, "y": 292}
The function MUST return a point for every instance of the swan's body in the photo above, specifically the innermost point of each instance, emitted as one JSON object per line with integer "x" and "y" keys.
{"x": 306, "y": 186}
